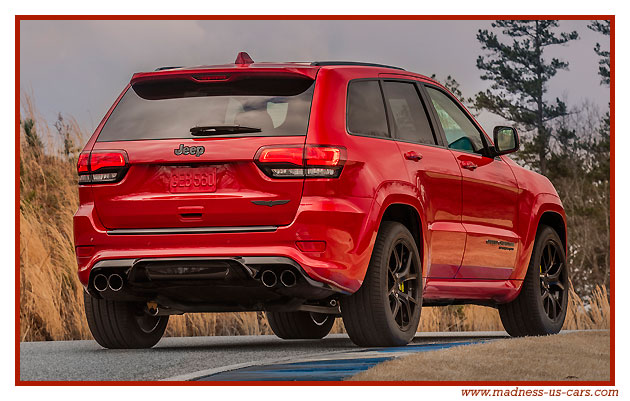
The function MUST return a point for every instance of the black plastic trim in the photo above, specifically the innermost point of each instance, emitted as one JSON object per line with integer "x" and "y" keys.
{"x": 247, "y": 262}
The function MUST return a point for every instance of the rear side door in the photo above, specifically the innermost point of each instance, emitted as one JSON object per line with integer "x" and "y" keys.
{"x": 435, "y": 173}
{"x": 177, "y": 178}
{"x": 489, "y": 190}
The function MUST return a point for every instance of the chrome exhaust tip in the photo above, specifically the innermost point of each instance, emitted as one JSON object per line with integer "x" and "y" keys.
{"x": 288, "y": 278}
{"x": 115, "y": 282}
{"x": 100, "y": 282}
{"x": 269, "y": 278}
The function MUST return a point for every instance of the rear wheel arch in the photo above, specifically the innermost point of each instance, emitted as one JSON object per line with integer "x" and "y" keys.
{"x": 408, "y": 216}
{"x": 401, "y": 207}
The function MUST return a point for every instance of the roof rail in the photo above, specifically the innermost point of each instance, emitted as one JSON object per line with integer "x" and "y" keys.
{"x": 325, "y": 63}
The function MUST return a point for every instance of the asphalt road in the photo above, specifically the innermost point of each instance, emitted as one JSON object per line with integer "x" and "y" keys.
{"x": 187, "y": 358}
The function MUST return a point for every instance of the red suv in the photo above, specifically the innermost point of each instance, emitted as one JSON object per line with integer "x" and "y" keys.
{"x": 309, "y": 191}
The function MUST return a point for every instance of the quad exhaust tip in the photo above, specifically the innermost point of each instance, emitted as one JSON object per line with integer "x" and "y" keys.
{"x": 288, "y": 278}
{"x": 100, "y": 282}
{"x": 115, "y": 282}
{"x": 269, "y": 278}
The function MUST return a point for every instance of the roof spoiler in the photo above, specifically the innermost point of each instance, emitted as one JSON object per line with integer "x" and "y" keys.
{"x": 223, "y": 74}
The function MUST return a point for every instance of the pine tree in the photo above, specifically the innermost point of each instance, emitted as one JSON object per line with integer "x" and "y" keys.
{"x": 519, "y": 74}
{"x": 602, "y": 145}
{"x": 602, "y": 27}
{"x": 452, "y": 85}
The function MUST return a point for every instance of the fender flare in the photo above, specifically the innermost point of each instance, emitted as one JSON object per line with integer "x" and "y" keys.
{"x": 542, "y": 203}
{"x": 382, "y": 201}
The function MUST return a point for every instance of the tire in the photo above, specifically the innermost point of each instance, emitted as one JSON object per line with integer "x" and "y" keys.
{"x": 300, "y": 325}
{"x": 541, "y": 306}
{"x": 377, "y": 314}
{"x": 122, "y": 325}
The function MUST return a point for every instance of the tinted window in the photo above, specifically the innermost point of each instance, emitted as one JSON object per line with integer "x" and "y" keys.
{"x": 410, "y": 120}
{"x": 170, "y": 110}
{"x": 366, "y": 110}
{"x": 461, "y": 133}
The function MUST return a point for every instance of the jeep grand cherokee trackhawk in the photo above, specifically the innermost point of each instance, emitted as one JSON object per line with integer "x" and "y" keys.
{"x": 309, "y": 191}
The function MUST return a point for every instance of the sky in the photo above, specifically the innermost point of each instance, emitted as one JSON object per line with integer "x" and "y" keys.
{"x": 78, "y": 68}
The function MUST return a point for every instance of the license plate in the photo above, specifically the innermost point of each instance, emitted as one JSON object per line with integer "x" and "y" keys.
{"x": 193, "y": 180}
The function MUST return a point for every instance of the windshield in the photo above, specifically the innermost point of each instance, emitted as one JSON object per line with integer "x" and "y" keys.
{"x": 273, "y": 107}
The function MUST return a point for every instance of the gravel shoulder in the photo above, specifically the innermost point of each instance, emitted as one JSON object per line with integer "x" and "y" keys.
{"x": 579, "y": 356}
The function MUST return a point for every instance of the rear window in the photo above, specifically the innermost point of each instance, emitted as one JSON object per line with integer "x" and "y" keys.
{"x": 366, "y": 110}
{"x": 169, "y": 109}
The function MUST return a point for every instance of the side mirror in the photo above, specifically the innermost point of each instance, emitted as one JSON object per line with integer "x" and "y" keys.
{"x": 505, "y": 140}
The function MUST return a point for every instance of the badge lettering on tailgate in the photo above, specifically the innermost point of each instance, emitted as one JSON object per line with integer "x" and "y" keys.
{"x": 189, "y": 150}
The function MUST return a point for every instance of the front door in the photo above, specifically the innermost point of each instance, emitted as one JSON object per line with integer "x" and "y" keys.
{"x": 489, "y": 194}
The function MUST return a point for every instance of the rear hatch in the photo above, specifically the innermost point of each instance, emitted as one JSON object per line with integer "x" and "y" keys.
{"x": 190, "y": 141}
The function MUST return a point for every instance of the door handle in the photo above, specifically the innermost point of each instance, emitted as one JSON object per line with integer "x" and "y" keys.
{"x": 416, "y": 157}
{"x": 468, "y": 165}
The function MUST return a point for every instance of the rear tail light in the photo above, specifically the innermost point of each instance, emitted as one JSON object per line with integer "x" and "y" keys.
{"x": 298, "y": 161}
{"x": 102, "y": 166}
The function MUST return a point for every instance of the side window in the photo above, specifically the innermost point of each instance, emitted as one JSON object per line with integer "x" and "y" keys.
{"x": 461, "y": 133}
{"x": 366, "y": 110}
{"x": 410, "y": 121}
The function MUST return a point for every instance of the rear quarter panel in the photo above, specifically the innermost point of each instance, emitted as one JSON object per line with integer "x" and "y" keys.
{"x": 374, "y": 170}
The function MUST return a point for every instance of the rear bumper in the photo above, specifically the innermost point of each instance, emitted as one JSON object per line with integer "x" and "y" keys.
{"x": 344, "y": 223}
{"x": 201, "y": 284}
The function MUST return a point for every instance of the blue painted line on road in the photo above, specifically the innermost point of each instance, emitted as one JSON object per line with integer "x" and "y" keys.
{"x": 421, "y": 347}
{"x": 334, "y": 369}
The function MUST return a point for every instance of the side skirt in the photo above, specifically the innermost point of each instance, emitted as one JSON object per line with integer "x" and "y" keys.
{"x": 439, "y": 291}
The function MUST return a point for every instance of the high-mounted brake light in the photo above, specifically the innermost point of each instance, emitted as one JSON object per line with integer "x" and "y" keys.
{"x": 211, "y": 77}
{"x": 297, "y": 161}
{"x": 100, "y": 166}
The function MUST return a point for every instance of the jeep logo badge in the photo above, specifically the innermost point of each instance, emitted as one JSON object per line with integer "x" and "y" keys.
{"x": 189, "y": 150}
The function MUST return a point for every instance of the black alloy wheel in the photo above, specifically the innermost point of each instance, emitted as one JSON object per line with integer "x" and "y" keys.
{"x": 385, "y": 311}
{"x": 553, "y": 281}
{"x": 402, "y": 284}
{"x": 541, "y": 305}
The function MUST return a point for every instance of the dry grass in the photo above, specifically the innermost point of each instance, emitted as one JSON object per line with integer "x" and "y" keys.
{"x": 51, "y": 295}
{"x": 573, "y": 356}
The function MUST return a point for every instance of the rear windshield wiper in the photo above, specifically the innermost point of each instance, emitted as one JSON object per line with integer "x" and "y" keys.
{"x": 222, "y": 129}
